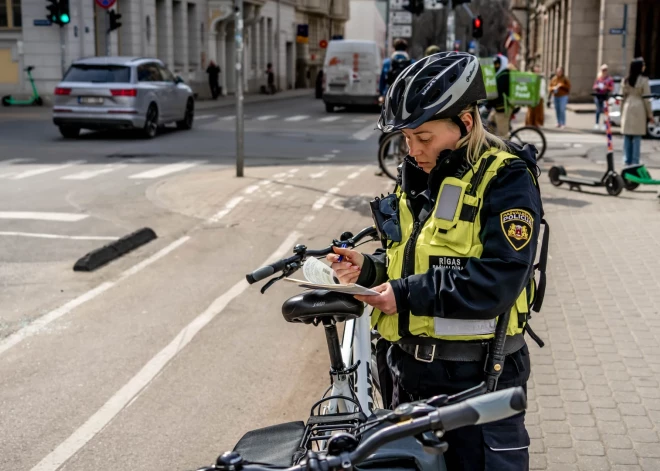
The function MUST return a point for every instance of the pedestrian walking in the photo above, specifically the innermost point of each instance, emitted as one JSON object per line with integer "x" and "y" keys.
{"x": 603, "y": 86}
{"x": 536, "y": 114}
{"x": 560, "y": 87}
{"x": 214, "y": 74}
{"x": 270, "y": 79}
{"x": 635, "y": 111}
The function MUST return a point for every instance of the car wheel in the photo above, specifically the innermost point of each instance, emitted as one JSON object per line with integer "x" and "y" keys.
{"x": 69, "y": 132}
{"x": 329, "y": 108}
{"x": 151, "y": 122}
{"x": 188, "y": 117}
{"x": 653, "y": 129}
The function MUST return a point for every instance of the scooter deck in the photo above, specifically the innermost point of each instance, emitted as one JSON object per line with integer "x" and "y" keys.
{"x": 580, "y": 181}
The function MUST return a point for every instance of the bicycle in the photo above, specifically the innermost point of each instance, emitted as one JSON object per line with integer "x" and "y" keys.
{"x": 522, "y": 135}
{"x": 415, "y": 435}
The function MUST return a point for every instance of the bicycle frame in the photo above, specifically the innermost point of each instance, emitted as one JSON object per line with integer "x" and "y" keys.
{"x": 355, "y": 349}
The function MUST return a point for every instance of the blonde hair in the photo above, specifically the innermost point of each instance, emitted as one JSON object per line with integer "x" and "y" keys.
{"x": 479, "y": 139}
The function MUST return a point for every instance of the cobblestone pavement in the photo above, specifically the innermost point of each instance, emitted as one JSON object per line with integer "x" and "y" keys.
{"x": 594, "y": 396}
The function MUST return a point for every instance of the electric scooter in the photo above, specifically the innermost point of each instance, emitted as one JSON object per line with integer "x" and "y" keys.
{"x": 611, "y": 180}
{"x": 635, "y": 175}
{"x": 35, "y": 99}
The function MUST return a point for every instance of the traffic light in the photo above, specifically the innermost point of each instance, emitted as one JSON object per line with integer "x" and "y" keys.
{"x": 64, "y": 17}
{"x": 114, "y": 20}
{"x": 477, "y": 27}
{"x": 58, "y": 12}
{"x": 416, "y": 7}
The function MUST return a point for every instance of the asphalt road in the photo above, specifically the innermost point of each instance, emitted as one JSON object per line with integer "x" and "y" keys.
{"x": 165, "y": 357}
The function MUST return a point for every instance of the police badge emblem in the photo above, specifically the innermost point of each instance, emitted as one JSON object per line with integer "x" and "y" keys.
{"x": 517, "y": 225}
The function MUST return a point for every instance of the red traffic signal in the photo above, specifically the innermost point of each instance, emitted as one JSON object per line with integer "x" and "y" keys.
{"x": 477, "y": 27}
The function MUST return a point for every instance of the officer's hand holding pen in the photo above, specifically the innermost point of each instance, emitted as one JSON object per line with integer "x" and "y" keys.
{"x": 348, "y": 269}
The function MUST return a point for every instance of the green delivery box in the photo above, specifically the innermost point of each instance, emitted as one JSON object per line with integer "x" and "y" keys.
{"x": 488, "y": 71}
{"x": 523, "y": 88}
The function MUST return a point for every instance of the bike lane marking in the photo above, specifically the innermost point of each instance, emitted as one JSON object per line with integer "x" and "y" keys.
{"x": 136, "y": 385}
{"x": 46, "y": 319}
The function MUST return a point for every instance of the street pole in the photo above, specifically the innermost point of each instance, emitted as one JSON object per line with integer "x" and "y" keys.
{"x": 62, "y": 50}
{"x": 623, "y": 39}
{"x": 277, "y": 47}
{"x": 107, "y": 33}
{"x": 451, "y": 26}
{"x": 387, "y": 28}
{"x": 238, "y": 40}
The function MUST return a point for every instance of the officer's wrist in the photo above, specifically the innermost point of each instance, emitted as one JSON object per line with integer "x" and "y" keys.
{"x": 400, "y": 289}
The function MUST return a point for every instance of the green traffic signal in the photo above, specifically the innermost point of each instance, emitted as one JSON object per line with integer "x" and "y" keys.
{"x": 64, "y": 19}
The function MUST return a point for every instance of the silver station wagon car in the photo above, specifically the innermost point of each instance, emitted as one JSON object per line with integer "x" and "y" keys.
{"x": 121, "y": 93}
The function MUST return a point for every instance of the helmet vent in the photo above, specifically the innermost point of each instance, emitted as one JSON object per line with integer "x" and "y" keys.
{"x": 453, "y": 78}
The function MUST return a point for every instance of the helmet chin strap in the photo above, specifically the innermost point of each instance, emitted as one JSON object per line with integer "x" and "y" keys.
{"x": 458, "y": 122}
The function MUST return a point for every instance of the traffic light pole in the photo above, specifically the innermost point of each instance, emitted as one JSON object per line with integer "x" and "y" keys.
{"x": 238, "y": 41}
{"x": 451, "y": 26}
{"x": 62, "y": 50}
{"x": 107, "y": 33}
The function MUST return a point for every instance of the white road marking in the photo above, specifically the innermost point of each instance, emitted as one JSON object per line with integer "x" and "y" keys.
{"x": 279, "y": 175}
{"x": 294, "y": 170}
{"x": 365, "y": 133}
{"x": 324, "y": 199}
{"x": 231, "y": 204}
{"x": 267, "y": 117}
{"x": 275, "y": 194}
{"x": 251, "y": 189}
{"x": 229, "y": 118}
{"x": 56, "y": 236}
{"x": 87, "y": 174}
{"x": 330, "y": 156}
{"x": 306, "y": 220}
{"x": 14, "y": 161}
{"x": 353, "y": 175}
{"x": 46, "y": 169}
{"x": 318, "y": 159}
{"x": 46, "y": 319}
{"x": 166, "y": 170}
{"x": 205, "y": 116}
{"x": 299, "y": 117}
{"x": 138, "y": 383}
{"x": 329, "y": 119}
{"x": 318, "y": 175}
{"x": 358, "y": 120}
{"x": 335, "y": 151}
{"x": 43, "y": 216}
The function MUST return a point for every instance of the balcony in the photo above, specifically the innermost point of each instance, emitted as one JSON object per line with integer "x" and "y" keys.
{"x": 340, "y": 10}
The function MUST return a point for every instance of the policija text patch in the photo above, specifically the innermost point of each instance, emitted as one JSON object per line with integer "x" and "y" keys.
{"x": 517, "y": 226}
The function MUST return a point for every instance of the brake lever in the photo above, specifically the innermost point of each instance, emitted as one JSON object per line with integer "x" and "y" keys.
{"x": 289, "y": 270}
{"x": 271, "y": 282}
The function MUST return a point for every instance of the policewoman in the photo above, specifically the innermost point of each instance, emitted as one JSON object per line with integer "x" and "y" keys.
{"x": 460, "y": 241}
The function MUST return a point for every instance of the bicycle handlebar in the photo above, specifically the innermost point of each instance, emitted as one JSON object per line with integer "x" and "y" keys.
{"x": 301, "y": 253}
{"x": 474, "y": 411}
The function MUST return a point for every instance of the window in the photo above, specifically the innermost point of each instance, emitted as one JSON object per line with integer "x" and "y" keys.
{"x": 166, "y": 74}
{"x": 655, "y": 89}
{"x": 98, "y": 74}
{"x": 10, "y": 14}
{"x": 149, "y": 73}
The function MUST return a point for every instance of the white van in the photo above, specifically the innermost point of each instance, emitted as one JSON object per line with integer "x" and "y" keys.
{"x": 351, "y": 73}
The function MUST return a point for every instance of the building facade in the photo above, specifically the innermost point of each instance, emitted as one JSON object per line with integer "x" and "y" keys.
{"x": 580, "y": 35}
{"x": 185, "y": 34}
{"x": 367, "y": 22}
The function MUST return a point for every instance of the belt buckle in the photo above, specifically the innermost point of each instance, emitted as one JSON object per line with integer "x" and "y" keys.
{"x": 422, "y": 359}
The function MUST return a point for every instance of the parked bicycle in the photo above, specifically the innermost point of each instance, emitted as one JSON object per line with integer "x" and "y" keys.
{"x": 346, "y": 427}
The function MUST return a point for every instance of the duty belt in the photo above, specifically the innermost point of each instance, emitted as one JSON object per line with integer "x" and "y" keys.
{"x": 427, "y": 349}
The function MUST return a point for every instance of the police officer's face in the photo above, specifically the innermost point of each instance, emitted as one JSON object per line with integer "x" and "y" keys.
{"x": 426, "y": 142}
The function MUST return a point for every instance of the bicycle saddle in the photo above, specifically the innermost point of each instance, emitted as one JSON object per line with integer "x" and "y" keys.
{"x": 321, "y": 304}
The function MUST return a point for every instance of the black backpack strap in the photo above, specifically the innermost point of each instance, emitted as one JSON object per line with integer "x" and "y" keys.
{"x": 541, "y": 267}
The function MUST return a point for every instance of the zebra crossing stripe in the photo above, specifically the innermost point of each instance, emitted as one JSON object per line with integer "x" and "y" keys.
{"x": 267, "y": 117}
{"x": 165, "y": 170}
{"x": 87, "y": 174}
{"x": 46, "y": 169}
{"x": 329, "y": 119}
{"x": 299, "y": 117}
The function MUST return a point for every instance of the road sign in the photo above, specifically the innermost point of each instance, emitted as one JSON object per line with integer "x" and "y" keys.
{"x": 433, "y": 5}
{"x": 323, "y": 43}
{"x": 397, "y": 5}
{"x": 42, "y": 23}
{"x": 401, "y": 18}
{"x": 402, "y": 31}
{"x": 617, "y": 30}
{"x": 106, "y": 3}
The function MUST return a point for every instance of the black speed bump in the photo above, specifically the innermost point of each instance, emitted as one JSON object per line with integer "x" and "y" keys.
{"x": 99, "y": 257}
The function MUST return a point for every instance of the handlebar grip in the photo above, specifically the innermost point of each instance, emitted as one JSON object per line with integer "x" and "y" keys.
{"x": 260, "y": 273}
{"x": 484, "y": 409}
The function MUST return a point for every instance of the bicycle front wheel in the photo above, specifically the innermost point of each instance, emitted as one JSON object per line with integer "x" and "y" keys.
{"x": 391, "y": 152}
{"x": 530, "y": 135}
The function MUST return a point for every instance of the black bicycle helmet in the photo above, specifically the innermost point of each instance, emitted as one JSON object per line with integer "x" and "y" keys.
{"x": 436, "y": 87}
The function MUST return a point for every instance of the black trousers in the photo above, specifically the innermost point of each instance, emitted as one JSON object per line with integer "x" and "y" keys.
{"x": 497, "y": 446}
{"x": 215, "y": 88}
